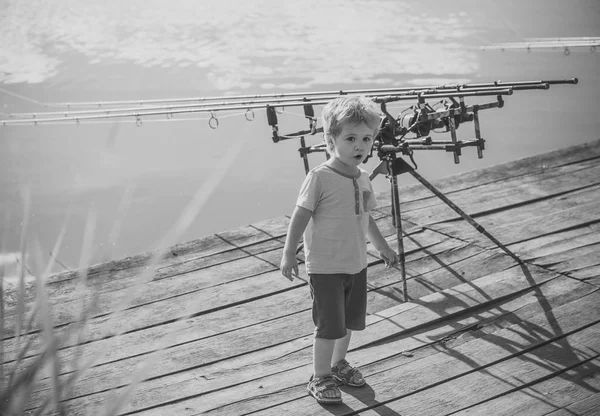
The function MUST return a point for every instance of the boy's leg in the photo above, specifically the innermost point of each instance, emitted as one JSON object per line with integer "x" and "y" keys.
{"x": 341, "y": 370}
{"x": 355, "y": 317}
{"x": 322, "y": 352}
{"x": 340, "y": 348}
{"x": 322, "y": 386}
{"x": 328, "y": 293}
{"x": 328, "y": 315}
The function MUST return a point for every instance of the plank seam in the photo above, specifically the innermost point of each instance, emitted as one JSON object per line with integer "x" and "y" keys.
{"x": 530, "y": 383}
{"x": 241, "y": 248}
{"x": 447, "y": 235}
{"x": 480, "y": 184}
{"x": 438, "y": 383}
{"x": 566, "y": 407}
{"x": 170, "y": 321}
{"x": 472, "y": 327}
{"x": 509, "y": 206}
{"x": 441, "y": 320}
{"x": 252, "y": 255}
{"x": 562, "y": 230}
{"x": 490, "y": 364}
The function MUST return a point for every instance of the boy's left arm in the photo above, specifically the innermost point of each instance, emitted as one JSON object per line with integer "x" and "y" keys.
{"x": 385, "y": 251}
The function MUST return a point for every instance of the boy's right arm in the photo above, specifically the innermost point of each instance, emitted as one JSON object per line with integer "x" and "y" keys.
{"x": 298, "y": 223}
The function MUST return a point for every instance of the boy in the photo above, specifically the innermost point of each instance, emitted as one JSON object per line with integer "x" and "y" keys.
{"x": 332, "y": 212}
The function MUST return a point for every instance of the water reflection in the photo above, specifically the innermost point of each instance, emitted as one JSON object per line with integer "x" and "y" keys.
{"x": 241, "y": 44}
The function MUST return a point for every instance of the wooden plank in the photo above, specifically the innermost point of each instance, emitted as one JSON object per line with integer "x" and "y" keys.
{"x": 69, "y": 290}
{"x": 533, "y": 367}
{"x": 213, "y": 299}
{"x": 191, "y": 305}
{"x": 507, "y": 197}
{"x": 504, "y": 194}
{"x": 534, "y": 225}
{"x": 274, "y": 227}
{"x": 154, "y": 338}
{"x": 435, "y": 273}
{"x": 249, "y": 314}
{"x": 546, "y": 395}
{"x": 209, "y": 245}
{"x": 110, "y": 280}
{"x": 179, "y": 259}
{"x": 283, "y": 393}
{"x": 497, "y": 173}
{"x": 380, "y": 324}
{"x": 375, "y": 355}
{"x": 65, "y": 291}
{"x": 589, "y": 406}
{"x": 449, "y": 400}
{"x": 520, "y": 167}
{"x": 573, "y": 259}
{"x": 170, "y": 291}
{"x": 588, "y": 274}
{"x": 551, "y": 244}
{"x": 203, "y": 262}
{"x": 431, "y": 386}
{"x": 244, "y": 236}
{"x": 461, "y": 299}
{"x": 577, "y": 199}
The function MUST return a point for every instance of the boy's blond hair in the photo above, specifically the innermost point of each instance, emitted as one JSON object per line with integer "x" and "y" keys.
{"x": 351, "y": 109}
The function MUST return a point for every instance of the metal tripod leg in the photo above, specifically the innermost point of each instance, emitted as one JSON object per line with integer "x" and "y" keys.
{"x": 395, "y": 166}
{"x": 463, "y": 214}
{"x": 397, "y": 221}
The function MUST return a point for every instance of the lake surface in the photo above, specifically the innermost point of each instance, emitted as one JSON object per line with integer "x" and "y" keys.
{"x": 68, "y": 51}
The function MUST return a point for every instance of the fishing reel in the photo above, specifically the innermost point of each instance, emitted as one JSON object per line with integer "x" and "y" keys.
{"x": 421, "y": 119}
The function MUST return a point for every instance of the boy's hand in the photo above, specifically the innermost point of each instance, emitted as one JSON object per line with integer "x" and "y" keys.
{"x": 390, "y": 257}
{"x": 289, "y": 267}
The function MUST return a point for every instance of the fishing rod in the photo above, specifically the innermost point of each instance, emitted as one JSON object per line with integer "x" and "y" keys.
{"x": 39, "y": 118}
{"x": 368, "y": 92}
{"x": 549, "y": 43}
{"x": 280, "y": 102}
{"x": 243, "y": 102}
{"x": 421, "y": 119}
{"x": 251, "y": 97}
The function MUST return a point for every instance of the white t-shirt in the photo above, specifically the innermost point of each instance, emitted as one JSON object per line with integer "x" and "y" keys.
{"x": 335, "y": 237}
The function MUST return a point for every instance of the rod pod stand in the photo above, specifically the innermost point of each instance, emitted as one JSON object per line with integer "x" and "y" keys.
{"x": 392, "y": 166}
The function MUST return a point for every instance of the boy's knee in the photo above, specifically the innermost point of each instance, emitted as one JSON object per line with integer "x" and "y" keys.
{"x": 332, "y": 334}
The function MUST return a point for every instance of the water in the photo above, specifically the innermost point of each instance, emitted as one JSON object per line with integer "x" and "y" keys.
{"x": 67, "y": 50}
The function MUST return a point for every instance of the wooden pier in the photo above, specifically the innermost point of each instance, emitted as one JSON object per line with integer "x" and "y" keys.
{"x": 217, "y": 330}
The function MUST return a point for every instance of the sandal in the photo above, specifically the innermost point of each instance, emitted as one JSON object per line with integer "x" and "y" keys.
{"x": 324, "y": 389}
{"x": 346, "y": 374}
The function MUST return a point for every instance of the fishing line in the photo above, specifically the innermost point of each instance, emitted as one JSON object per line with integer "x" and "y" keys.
{"x": 22, "y": 97}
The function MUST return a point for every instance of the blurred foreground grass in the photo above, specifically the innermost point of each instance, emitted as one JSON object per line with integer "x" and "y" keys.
{"x": 26, "y": 306}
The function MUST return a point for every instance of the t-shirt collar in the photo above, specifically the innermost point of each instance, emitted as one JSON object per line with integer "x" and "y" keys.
{"x": 344, "y": 174}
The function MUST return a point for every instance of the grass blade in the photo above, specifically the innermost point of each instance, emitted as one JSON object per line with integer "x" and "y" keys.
{"x": 186, "y": 218}
{"x": 26, "y": 196}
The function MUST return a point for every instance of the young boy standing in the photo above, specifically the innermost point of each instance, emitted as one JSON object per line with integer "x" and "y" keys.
{"x": 333, "y": 213}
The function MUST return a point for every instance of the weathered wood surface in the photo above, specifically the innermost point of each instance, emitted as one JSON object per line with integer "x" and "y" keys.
{"x": 215, "y": 329}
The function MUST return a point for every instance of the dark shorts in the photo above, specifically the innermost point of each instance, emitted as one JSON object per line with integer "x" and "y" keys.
{"x": 339, "y": 303}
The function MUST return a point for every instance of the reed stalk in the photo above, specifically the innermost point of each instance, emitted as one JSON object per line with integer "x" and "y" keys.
{"x": 21, "y": 378}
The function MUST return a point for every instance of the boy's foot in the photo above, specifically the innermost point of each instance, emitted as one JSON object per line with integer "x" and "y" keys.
{"x": 345, "y": 373}
{"x": 324, "y": 389}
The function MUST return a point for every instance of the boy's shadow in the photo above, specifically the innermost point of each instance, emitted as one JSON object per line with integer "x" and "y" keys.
{"x": 364, "y": 394}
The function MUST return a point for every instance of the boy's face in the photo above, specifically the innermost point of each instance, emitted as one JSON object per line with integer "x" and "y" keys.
{"x": 353, "y": 144}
